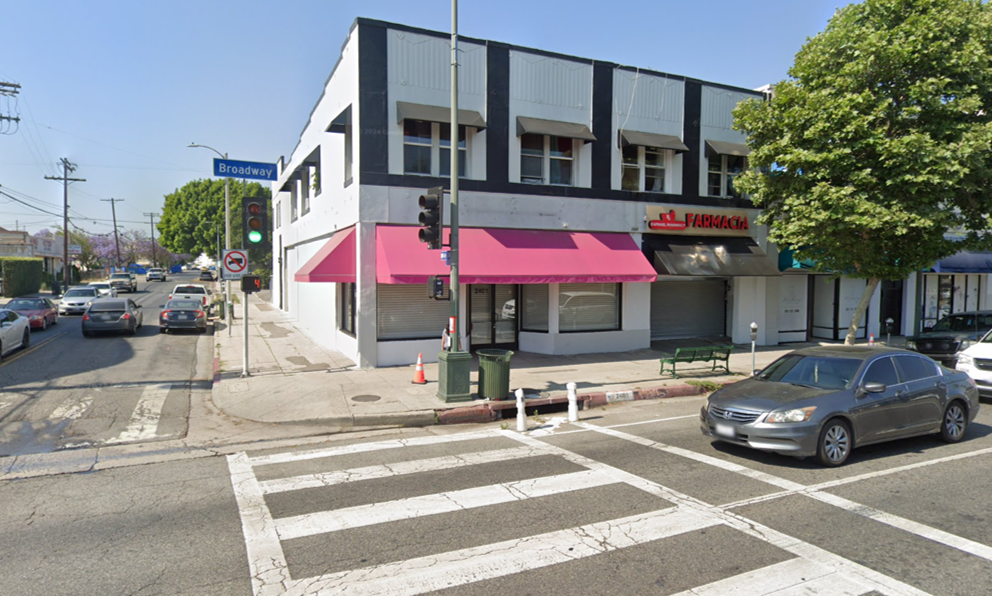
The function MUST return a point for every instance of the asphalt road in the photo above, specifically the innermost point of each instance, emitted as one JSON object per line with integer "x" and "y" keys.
{"x": 632, "y": 500}
{"x": 67, "y": 391}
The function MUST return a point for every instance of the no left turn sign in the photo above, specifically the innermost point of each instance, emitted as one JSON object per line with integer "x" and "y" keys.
{"x": 235, "y": 263}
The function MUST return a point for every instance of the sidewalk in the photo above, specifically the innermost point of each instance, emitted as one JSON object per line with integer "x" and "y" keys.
{"x": 294, "y": 380}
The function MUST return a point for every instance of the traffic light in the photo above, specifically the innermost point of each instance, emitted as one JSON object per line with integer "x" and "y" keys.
{"x": 256, "y": 222}
{"x": 251, "y": 284}
{"x": 431, "y": 217}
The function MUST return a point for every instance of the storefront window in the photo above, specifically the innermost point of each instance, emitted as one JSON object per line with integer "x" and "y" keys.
{"x": 534, "y": 314}
{"x": 588, "y": 307}
{"x": 348, "y": 308}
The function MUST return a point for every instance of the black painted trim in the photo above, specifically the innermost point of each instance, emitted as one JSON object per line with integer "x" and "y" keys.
{"x": 692, "y": 112}
{"x": 573, "y": 192}
{"x": 498, "y": 114}
{"x": 373, "y": 143}
{"x": 602, "y": 125}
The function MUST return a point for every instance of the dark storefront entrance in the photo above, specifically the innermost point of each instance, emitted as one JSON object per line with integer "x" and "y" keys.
{"x": 493, "y": 316}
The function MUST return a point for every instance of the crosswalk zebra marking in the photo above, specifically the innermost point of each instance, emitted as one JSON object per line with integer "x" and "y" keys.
{"x": 270, "y": 574}
{"x": 481, "y": 496}
{"x": 397, "y": 469}
{"x": 71, "y": 410}
{"x": 143, "y": 424}
{"x": 794, "y": 577}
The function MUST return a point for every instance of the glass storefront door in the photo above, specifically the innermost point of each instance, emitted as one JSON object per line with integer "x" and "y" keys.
{"x": 493, "y": 315}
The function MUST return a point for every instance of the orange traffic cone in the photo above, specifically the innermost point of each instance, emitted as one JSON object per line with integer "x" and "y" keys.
{"x": 418, "y": 375}
{"x": 871, "y": 339}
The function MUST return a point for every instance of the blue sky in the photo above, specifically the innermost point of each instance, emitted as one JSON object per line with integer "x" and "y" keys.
{"x": 120, "y": 88}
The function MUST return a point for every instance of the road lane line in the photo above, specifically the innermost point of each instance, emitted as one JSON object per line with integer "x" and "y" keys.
{"x": 266, "y": 560}
{"x": 456, "y": 568}
{"x": 71, "y": 410}
{"x": 20, "y": 353}
{"x": 395, "y": 469}
{"x": 282, "y": 458}
{"x": 323, "y": 522}
{"x": 146, "y": 415}
{"x": 923, "y": 531}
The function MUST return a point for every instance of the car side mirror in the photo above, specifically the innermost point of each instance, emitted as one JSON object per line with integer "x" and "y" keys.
{"x": 872, "y": 387}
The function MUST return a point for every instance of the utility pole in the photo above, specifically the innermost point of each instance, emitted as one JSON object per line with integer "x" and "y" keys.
{"x": 117, "y": 241}
{"x": 9, "y": 90}
{"x": 66, "y": 168}
{"x": 151, "y": 220}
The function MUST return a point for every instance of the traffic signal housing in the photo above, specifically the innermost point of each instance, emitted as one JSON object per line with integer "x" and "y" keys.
{"x": 431, "y": 213}
{"x": 251, "y": 284}
{"x": 256, "y": 222}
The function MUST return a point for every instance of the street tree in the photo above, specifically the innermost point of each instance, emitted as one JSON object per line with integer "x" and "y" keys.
{"x": 193, "y": 215}
{"x": 874, "y": 157}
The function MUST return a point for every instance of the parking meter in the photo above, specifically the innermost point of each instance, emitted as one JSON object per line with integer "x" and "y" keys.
{"x": 754, "y": 338}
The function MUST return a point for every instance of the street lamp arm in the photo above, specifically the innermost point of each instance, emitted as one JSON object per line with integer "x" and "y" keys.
{"x": 222, "y": 155}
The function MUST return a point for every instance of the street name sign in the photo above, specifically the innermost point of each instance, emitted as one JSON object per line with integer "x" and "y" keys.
{"x": 252, "y": 170}
{"x": 234, "y": 264}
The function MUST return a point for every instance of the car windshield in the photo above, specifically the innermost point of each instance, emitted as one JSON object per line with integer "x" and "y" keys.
{"x": 812, "y": 371}
{"x": 80, "y": 293}
{"x": 22, "y": 304}
{"x": 964, "y": 322}
{"x": 182, "y": 305}
{"x": 126, "y": 276}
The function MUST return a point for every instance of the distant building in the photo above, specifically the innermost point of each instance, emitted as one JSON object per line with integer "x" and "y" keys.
{"x": 22, "y": 244}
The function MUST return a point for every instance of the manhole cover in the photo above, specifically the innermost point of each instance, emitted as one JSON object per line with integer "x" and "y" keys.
{"x": 366, "y": 398}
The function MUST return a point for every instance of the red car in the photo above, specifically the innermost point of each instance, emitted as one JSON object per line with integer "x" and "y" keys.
{"x": 41, "y": 312}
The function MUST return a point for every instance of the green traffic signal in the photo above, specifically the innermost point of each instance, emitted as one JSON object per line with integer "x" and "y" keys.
{"x": 254, "y": 237}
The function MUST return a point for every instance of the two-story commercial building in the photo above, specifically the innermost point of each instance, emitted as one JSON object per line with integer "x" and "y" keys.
{"x": 597, "y": 208}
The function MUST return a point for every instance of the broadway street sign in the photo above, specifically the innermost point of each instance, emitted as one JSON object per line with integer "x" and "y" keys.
{"x": 253, "y": 170}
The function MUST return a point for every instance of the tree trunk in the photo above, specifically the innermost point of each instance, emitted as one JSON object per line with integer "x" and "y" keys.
{"x": 859, "y": 312}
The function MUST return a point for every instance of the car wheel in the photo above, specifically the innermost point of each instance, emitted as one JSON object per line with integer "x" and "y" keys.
{"x": 134, "y": 330}
{"x": 44, "y": 323}
{"x": 955, "y": 423}
{"x": 55, "y": 320}
{"x": 86, "y": 334}
{"x": 834, "y": 445}
{"x": 162, "y": 330}
{"x": 26, "y": 340}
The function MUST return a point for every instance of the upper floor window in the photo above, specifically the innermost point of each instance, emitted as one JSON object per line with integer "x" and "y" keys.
{"x": 720, "y": 176}
{"x": 427, "y": 146}
{"x": 643, "y": 169}
{"x": 546, "y": 159}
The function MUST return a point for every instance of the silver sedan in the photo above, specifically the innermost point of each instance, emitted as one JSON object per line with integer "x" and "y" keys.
{"x": 15, "y": 331}
{"x": 827, "y": 400}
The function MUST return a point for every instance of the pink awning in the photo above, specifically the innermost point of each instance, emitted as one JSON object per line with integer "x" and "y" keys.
{"x": 504, "y": 256}
{"x": 334, "y": 262}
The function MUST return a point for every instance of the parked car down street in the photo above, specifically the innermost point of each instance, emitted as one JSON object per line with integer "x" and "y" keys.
{"x": 182, "y": 314}
{"x": 41, "y": 312}
{"x": 952, "y": 335}
{"x": 15, "y": 331}
{"x": 76, "y": 300}
{"x": 206, "y": 275}
{"x": 112, "y": 315}
{"x": 824, "y": 401}
{"x": 192, "y": 292}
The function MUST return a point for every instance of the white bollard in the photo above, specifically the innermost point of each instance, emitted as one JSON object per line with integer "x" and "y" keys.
{"x": 521, "y": 415}
{"x": 573, "y": 404}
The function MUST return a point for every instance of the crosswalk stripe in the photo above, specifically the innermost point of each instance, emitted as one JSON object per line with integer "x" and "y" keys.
{"x": 396, "y": 469}
{"x": 145, "y": 417}
{"x": 71, "y": 409}
{"x": 323, "y": 522}
{"x": 282, "y": 458}
{"x": 470, "y": 565}
{"x": 794, "y": 577}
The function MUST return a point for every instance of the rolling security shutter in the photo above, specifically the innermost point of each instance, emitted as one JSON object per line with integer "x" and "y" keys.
{"x": 405, "y": 312}
{"x": 688, "y": 309}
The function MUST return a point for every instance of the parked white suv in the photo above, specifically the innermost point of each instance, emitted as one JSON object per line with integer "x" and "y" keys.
{"x": 155, "y": 274}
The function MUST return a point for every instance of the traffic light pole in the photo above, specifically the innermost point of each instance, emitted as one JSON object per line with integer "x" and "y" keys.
{"x": 454, "y": 364}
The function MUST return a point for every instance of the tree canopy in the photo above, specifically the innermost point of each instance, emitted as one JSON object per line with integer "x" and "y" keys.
{"x": 193, "y": 214}
{"x": 874, "y": 157}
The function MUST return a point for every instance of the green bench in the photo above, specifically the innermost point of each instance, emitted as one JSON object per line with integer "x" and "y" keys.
{"x": 714, "y": 354}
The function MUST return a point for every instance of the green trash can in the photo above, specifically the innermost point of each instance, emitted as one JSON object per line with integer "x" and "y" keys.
{"x": 494, "y": 373}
